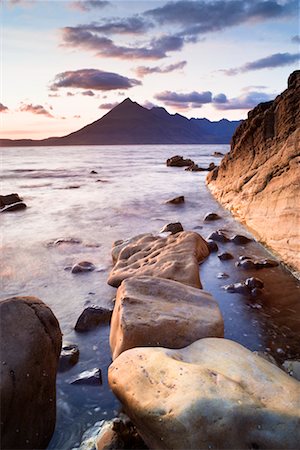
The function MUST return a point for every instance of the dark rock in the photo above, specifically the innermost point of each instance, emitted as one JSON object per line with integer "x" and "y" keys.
{"x": 179, "y": 161}
{"x": 91, "y": 317}
{"x": 239, "y": 239}
{"x": 211, "y": 216}
{"x": 218, "y": 154}
{"x": 267, "y": 263}
{"x": 172, "y": 228}
{"x": 219, "y": 236}
{"x": 14, "y": 207}
{"x": 9, "y": 199}
{"x": 119, "y": 433}
{"x": 213, "y": 246}
{"x": 256, "y": 292}
{"x": 176, "y": 200}
{"x": 30, "y": 349}
{"x": 247, "y": 264}
{"x": 83, "y": 266}
{"x": 61, "y": 241}
{"x": 93, "y": 172}
{"x": 91, "y": 377}
{"x": 243, "y": 257}
{"x": 195, "y": 168}
{"x": 68, "y": 357}
{"x": 211, "y": 167}
{"x": 239, "y": 288}
{"x": 254, "y": 283}
{"x": 225, "y": 256}
{"x": 222, "y": 275}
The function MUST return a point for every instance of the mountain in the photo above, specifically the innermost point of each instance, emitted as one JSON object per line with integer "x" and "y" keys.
{"x": 130, "y": 123}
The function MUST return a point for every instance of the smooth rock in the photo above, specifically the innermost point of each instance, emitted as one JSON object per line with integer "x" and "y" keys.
{"x": 225, "y": 256}
{"x": 179, "y": 161}
{"x": 239, "y": 239}
{"x": 254, "y": 283}
{"x": 176, "y": 257}
{"x": 30, "y": 349}
{"x": 239, "y": 288}
{"x": 218, "y": 154}
{"x": 173, "y": 228}
{"x": 9, "y": 199}
{"x": 119, "y": 433}
{"x": 91, "y": 317}
{"x": 212, "y": 245}
{"x": 176, "y": 200}
{"x": 69, "y": 356}
{"x": 93, "y": 172}
{"x": 222, "y": 275}
{"x": 83, "y": 266}
{"x": 218, "y": 236}
{"x": 213, "y": 394}
{"x": 13, "y": 207}
{"x": 91, "y": 377}
{"x": 156, "y": 312}
{"x": 292, "y": 367}
{"x": 247, "y": 264}
{"x": 211, "y": 216}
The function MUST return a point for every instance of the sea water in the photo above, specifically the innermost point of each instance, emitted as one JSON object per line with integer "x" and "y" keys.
{"x": 126, "y": 196}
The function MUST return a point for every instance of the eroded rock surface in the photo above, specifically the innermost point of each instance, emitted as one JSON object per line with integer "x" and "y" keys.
{"x": 176, "y": 257}
{"x": 213, "y": 394}
{"x": 156, "y": 312}
{"x": 30, "y": 349}
{"x": 258, "y": 180}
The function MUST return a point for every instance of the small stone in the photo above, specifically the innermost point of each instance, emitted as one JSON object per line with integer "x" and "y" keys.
{"x": 254, "y": 283}
{"x": 91, "y": 377}
{"x": 239, "y": 239}
{"x": 211, "y": 216}
{"x": 179, "y": 161}
{"x": 222, "y": 275}
{"x": 176, "y": 200}
{"x": 267, "y": 263}
{"x": 172, "y": 228}
{"x": 239, "y": 288}
{"x": 14, "y": 207}
{"x": 68, "y": 357}
{"x": 246, "y": 264}
{"x": 93, "y": 172}
{"x": 83, "y": 266}
{"x": 218, "y": 154}
{"x": 219, "y": 236}
{"x": 213, "y": 246}
{"x": 91, "y": 317}
{"x": 225, "y": 256}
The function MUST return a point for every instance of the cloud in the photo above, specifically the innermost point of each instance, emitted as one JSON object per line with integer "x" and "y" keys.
{"x": 193, "y": 99}
{"x": 129, "y": 25}
{"x": 245, "y": 101}
{"x": 92, "y": 79}
{"x": 296, "y": 39}
{"x": 220, "y": 98}
{"x": 108, "y": 105}
{"x": 198, "y": 17}
{"x": 141, "y": 71}
{"x": 87, "y": 5}
{"x": 89, "y": 93}
{"x": 3, "y": 108}
{"x": 269, "y": 62}
{"x": 82, "y": 37}
{"x": 35, "y": 109}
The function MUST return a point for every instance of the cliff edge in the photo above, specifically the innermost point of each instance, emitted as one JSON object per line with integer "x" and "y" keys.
{"x": 259, "y": 179}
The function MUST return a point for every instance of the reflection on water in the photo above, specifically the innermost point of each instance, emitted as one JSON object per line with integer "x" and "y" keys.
{"x": 130, "y": 202}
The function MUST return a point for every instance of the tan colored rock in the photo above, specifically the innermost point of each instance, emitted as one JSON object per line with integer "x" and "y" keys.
{"x": 157, "y": 312}
{"x": 258, "y": 180}
{"x": 30, "y": 348}
{"x": 213, "y": 394}
{"x": 176, "y": 257}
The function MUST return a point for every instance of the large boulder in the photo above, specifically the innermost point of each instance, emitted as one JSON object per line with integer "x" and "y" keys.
{"x": 176, "y": 257}
{"x": 213, "y": 394}
{"x": 156, "y": 312}
{"x": 258, "y": 180}
{"x": 30, "y": 349}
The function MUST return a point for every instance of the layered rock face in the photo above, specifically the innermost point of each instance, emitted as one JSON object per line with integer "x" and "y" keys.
{"x": 152, "y": 311}
{"x": 213, "y": 394}
{"x": 30, "y": 348}
{"x": 258, "y": 180}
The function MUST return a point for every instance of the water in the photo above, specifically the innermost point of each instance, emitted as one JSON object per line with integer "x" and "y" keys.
{"x": 124, "y": 198}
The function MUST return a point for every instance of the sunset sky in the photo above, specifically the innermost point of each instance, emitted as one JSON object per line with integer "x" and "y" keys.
{"x": 66, "y": 63}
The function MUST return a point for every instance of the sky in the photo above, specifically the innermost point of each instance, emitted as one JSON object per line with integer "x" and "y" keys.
{"x": 66, "y": 63}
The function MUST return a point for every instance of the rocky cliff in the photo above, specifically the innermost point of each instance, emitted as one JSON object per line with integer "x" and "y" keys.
{"x": 259, "y": 179}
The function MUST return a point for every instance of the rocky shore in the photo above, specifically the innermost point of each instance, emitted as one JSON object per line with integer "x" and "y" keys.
{"x": 258, "y": 180}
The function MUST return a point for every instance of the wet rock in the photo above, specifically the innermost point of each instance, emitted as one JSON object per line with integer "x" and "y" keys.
{"x": 256, "y": 292}
{"x": 218, "y": 236}
{"x": 91, "y": 377}
{"x": 83, "y": 266}
{"x": 211, "y": 216}
{"x": 239, "y": 239}
{"x": 176, "y": 200}
{"x": 15, "y": 207}
{"x": 211, "y": 167}
{"x": 194, "y": 168}
{"x": 212, "y": 393}
{"x": 239, "y": 288}
{"x": 11, "y": 202}
{"x": 93, "y": 172}
{"x": 212, "y": 245}
{"x": 173, "y": 228}
{"x": 91, "y": 317}
{"x": 225, "y": 256}
{"x": 292, "y": 367}
{"x": 218, "y": 154}
{"x": 176, "y": 257}
{"x": 30, "y": 349}
{"x": 179, "y": 161}
{"x": 69, "y": 356}
{"x": 247, "y": 264}
{"x": 152, "y": 311}
{"x": 62, "y": 241}
{"x": 119, "y": 433}
{"x": 267, "y": 263}
{"x": 254, "y": 283}
{"x": 222, "y": 275}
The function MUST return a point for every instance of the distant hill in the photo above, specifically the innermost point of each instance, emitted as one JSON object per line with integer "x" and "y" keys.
{"x": 130, "y": 123}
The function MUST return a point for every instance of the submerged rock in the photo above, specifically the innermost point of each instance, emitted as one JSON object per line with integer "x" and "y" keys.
{"x": 179, "y": 161}
{"x": 212, "y": 394}
{"x": 176, "y": 200}
{"x": 173, "y": 228}
{"x": 91, "y": 317}
{"x": 176, "y": 257}
{"x": 83, "y": 266}
{"x": 156, "y": 312}
{"x": 69, "y": 356}
{"x": 91, "y": 377}
{"x": 30, "y": 348}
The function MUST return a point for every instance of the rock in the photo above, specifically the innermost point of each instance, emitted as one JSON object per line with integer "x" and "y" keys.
{"x": 258, "y": 180}
{"x": 212, "y": 394}
{"x": 256, "y": 292}
{"x": 292, "y": 367}
{"x": 176, "y": 200}
{"x": 219, "y": 236}
{"x": 218, "y": 154}
{"x": 254, "y": 283}
{"x": 69, "y": 356}
{"x": 91, "y": 317}
{"x": 15, "y": 207}
{"x": 225, "y": 256}
{"x": 156, "y": 312}
{"x": 212, "y": 245}
{"x": 11, "y": 202}
{"x": 211, "y": 216}
{"x": 176, "y": 257}
{"x": 194, "y": 168}
{"x": 222, "y": 275}
{"x": 267, "y": 263}
{"x": 173, "y": 228}
{"x": 83, "y": 266}
{"x": 239, "y": 288}
{"x": 267, "y": 357}
{"x": 179, "y": 161}
{"x": 239, "y": 239}
{"x": 91, "y": 377}
{"x": 93, "y": 172}
{"x": 247, "y": 264}
{"x": 211, "y": 167}
{"x": 30, "y": 348}
{"x": 119, "y": 433}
